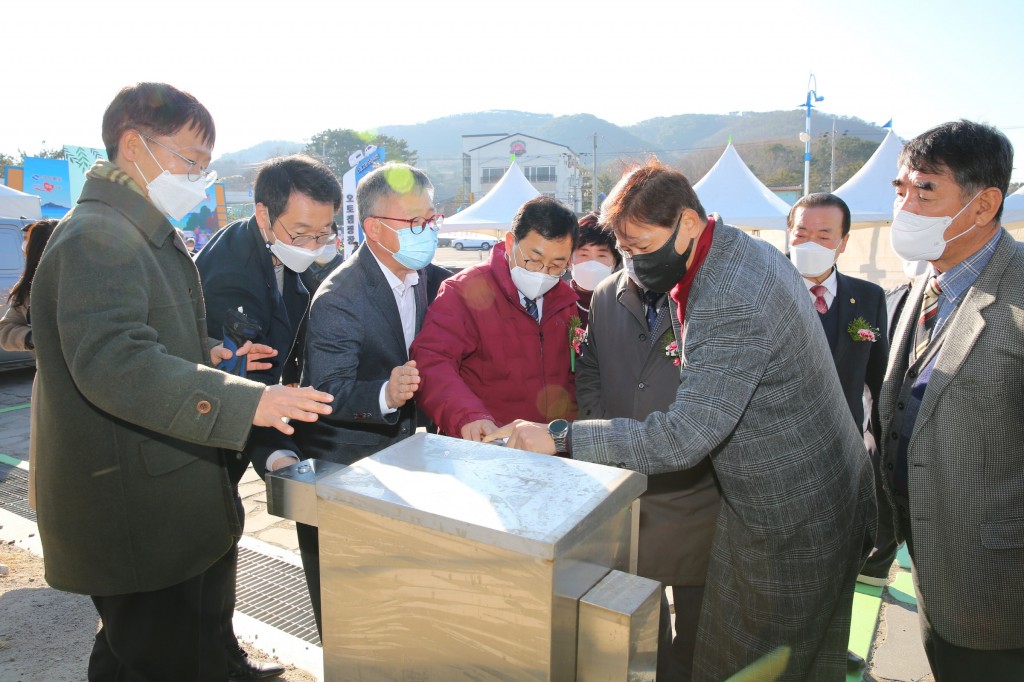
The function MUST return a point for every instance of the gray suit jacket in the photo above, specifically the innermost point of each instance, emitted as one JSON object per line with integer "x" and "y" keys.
{"x": 759, "y": 395}
{"x": 353, "y": 340}
{"x": 966, "y": 458}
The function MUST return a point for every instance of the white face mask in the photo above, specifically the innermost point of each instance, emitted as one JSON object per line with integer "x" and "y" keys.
{"x": 590, "y": 273}
{"x": 627, "y": 265}
{"x": 329, "y": 251}
{"x": 294, "y": 258}
{"x": 920, "y": 237}
{"x": 173, "y": 194}
{"x": 811, "y": 258}
{"x": 532, "y": 285}
{"x": 914, "y": 268}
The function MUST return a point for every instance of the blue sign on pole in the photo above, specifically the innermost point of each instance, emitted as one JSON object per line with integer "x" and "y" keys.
{"x": 363, "y": 167}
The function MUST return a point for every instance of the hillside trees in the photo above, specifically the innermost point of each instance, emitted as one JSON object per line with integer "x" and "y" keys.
{"x": 334, "y": 146}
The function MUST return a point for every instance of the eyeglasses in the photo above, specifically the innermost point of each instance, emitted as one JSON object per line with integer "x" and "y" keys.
{"x": 303, "y": 239}
{"x": 195, "y": 171}
{"x": 417, "y": 225}
{"x": 538, "y": 266}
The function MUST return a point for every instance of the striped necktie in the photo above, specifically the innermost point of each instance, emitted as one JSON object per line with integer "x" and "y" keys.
{"x": 818, "y": 291}
{"x": 531, "y": 307}
{"x": 926, "y": 322}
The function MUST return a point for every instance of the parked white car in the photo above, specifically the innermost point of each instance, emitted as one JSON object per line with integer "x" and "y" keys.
{"x": 460, "y": 244}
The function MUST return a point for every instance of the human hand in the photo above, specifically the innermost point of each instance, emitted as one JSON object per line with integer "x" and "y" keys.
{"x": 404, "y": 381}
{"x": 254, "y": 351}
{"x": 476, "y": 431}
{"x": 279, "y": 404}
{"x": 524, "y": 435}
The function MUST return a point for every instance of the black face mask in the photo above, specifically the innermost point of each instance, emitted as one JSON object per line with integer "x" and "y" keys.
{"x": 662, "y": 269}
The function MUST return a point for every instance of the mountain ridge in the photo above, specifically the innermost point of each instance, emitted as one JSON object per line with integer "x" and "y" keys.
{"x": 768, "y": 142}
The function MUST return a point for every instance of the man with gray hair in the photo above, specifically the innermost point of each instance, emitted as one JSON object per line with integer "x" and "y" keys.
{"x": 951, "y": 409}
{"x": 362, "y": 320}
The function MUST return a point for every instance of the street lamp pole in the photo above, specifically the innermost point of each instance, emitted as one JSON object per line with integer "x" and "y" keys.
{"x": 812, "y": 97}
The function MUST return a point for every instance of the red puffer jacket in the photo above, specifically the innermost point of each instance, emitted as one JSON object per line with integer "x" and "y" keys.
{"x": 482, "y": 356}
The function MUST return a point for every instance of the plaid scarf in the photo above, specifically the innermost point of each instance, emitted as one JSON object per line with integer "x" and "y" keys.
{"x": 107, "y": 170}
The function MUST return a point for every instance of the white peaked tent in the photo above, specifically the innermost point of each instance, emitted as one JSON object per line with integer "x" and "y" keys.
{"x": 15, "y": 204}
{"x": 730, "y": 189}
{"x": 1013, "y": 208}
{"x": 497, "y": 208}
{"x": 869, "y": 193}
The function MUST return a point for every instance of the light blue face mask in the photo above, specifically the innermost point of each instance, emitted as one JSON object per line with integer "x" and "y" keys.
{"x": 415, "y": 251}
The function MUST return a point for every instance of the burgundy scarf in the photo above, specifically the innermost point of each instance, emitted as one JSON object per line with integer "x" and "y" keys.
{"x": 681, "y": 292}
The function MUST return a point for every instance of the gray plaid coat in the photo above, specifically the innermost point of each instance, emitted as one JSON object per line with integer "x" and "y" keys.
{"x": 759, "y": 395}
{"x": 966, "y": 458}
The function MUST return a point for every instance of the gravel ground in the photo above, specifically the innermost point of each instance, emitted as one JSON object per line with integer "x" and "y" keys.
{"x": 46, "y": 635}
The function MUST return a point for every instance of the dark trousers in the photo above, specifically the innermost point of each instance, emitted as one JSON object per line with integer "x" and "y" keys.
{"x": 952, "y": 663}
{"x": 309, "y": 550}
{"x": 675, "y": 651}
{"x": 168, "y": 635}
{"x": 222, "y": 579}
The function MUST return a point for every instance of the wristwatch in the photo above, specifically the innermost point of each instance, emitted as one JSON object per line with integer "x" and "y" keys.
{"x": 559, "y": 430}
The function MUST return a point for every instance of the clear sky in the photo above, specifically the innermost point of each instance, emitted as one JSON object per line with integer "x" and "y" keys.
{"x": 289, "y": 69}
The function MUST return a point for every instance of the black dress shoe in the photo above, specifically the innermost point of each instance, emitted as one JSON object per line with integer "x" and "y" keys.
{"x": 854, "y": 662}
{"x": 241, "y": 668}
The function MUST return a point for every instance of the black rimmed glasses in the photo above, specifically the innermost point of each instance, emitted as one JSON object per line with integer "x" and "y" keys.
{"x": 417, "y": 225}
{"x": 195, "y": 172}
{"x": 533, "y": 265}
{"x": 304, "y": 239}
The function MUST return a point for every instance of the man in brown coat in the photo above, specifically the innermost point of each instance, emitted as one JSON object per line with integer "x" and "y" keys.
{"x": 133, "y": 499}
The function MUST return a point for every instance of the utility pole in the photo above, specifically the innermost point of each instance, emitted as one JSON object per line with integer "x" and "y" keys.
{"x": 593, "y": 188}
{"x": 832, "y": 170}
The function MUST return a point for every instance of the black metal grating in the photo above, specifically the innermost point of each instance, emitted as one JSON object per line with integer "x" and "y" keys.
{"x": 14, "y": 492}
{"x": 274, "y": 592}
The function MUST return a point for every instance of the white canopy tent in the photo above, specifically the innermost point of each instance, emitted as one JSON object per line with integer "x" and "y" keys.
{"x": 869, "y": 192}
{"x": 1013, "y": 208}
{"x": 15, "y": 204}
{"x": 731, "y": 189}
{"x": 497, "y": 208}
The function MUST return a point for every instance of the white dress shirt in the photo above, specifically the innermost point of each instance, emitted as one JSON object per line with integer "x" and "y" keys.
{"x": 830, "y": 284}
{"x": 405, "y": 298}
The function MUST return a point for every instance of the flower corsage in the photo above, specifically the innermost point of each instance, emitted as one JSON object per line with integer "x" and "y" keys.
{"x": 860, "y": 330}
{"x": 672, "y": 349}
{"x": 577, "y": 337}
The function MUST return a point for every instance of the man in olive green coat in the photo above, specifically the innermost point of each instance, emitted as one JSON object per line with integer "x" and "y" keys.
{"x": 133, "y": 500}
